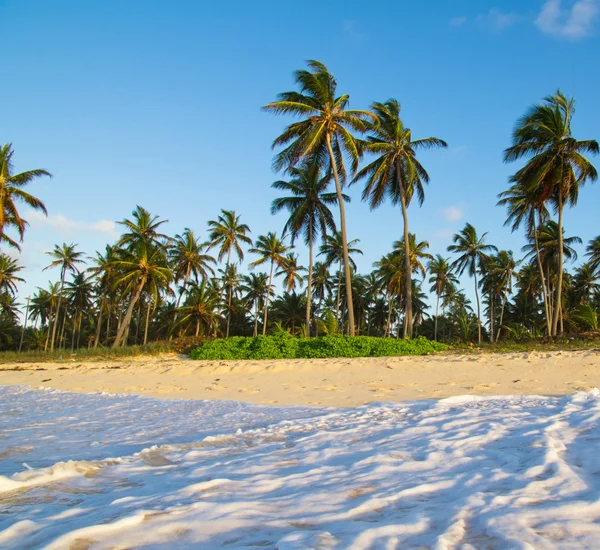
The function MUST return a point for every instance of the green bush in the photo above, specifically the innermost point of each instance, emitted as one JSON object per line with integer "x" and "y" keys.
{"x": 285, "y": 346}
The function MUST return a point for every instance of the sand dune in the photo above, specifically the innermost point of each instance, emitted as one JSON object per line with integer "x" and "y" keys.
{"x": 331, "y": 382}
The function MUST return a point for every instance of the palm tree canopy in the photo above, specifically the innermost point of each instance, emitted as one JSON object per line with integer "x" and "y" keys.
{"x": 269, "y": 248}
{"x": 332, "y": 249}
{"x": 418, "y": 252}
{"x": 441, "y": 275}
{"x": 65, "y": 257}
{"x": 8, "y": 274}
{"x": 557, "y": 164}
{"x": 307, "y": 203}
{"x": 324, "y": 116}
{"x": 227, "y": 233}
{"x": 185, "y": 253}
{"x": 11, "y": 191}
{"x": 396, "y": 163}
{"x": 143, "y": 228}
{"x": 470, "y": 248}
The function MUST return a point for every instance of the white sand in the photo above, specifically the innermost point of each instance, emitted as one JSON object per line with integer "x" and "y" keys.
{"x": 330, "y": 382}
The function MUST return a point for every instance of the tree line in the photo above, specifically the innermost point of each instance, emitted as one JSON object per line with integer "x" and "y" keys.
{"x": 150, "y": 286}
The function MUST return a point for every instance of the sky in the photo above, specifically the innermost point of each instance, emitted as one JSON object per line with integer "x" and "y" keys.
{"x": 157, "y": 104}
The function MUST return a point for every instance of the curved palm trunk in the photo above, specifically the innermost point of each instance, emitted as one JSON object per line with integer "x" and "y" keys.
{"x": 544, "y": 287}
{"x": 437, "y": 308}
{"x": 54, "y": 325}
{"x": 478, "y": 306}
{"x": 99, "y": 327}
{"x": 255, "y": 333}
{"x": 147, "y": 322}
{"x": 310, "y": 275}
{"x": 229, "y": 293}
{"x": 24, "y": 325}
{"x": 408, "y": 316}
{"x": 127, "y": 320}
{"x": 557, "y": 305}
{"x": 501, "y": 316}
{"x": 338, "y": 190}
{"x": 264, "y": 330}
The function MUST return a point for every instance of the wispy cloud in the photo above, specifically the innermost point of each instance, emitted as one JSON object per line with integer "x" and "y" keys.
{"x": 494, "y": 19}
{"x": 70, "y": 228}
{"x": 569, "y": 19}
{"x": 497, "y": 19}
{"x": 454, "y": 213}
{"x": 353, "y": 30}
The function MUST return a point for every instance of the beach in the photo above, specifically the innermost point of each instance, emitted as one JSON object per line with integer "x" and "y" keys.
{"x": 323, "y": 382}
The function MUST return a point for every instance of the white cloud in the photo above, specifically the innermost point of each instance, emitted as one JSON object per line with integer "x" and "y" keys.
{"x": 352, "y": 29}
{"x": 454, "y": 213}
{"x": 497, "y": 19}
{"x": 70, "y": 228}
{"x": 574, "y": 20}
{"x": 457, "y": 21}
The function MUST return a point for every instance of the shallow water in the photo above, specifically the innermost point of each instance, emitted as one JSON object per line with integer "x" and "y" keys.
{"x": 103, "y": 471}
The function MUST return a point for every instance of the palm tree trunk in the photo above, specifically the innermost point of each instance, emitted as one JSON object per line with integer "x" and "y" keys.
{"x": 338, "y": 190}
{"x": 264, "y": 331}
{"x": 127, "y": 320}
{"x": 388, "y": 328}
{"x": 185, "y": 282}
{"x": 48, "y": 334}
{"x": 558, "y": 303}
{"x": 74, "y": 331}
{"x": 310, "y": 275}
{"x": 492, "y": 312}
{"x": 544, "y": 288}
{"x": 24, "y": 324}
{"x": 147, "y": 321}
{"x": 99, "y": 327}
{"x": 197, "y": 327}
{"x": 478, "y": 306}
{"x": 62, "y": 284}
{"x": 337, "y": 298}
{"x": 79, "y": 330}
{"x": 501, "y": 316}
{"x": 61, "y": 337}
{"x": 255, "y": 333}
{"x": 408, "y": 320}
{"x": 437, "y": 308}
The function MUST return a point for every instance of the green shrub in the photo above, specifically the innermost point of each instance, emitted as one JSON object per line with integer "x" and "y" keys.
{"x": 285, "y": 346}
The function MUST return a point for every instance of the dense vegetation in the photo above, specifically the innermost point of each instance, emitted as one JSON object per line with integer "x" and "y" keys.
{"x": 285, "y": 346}
{"x": 149, "y": 286}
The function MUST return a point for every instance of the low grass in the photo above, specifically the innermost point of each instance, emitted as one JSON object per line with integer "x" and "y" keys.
{"x": 285, "y": 346}
{"x": 572, "y": 343}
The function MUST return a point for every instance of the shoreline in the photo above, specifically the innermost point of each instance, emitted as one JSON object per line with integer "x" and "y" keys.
{"x": 341, "y": 382}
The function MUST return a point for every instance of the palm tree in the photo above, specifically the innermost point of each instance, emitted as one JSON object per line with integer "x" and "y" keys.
{"x": 441, "y": 279}
{"x": 504, "y": 268}
{"x": 291, "y": 272}
{"x": 200, "y": 307}
{"x": 186, "y": 257}
{"x": 396, "y": 173}
{"x": 143, "y": 229}
{"x": 230, "y": 279}
{"x": 255, "y": 288}
{"x": 270, "y": 249}
{"x": 79, "y": 295}
{"x": 309, "y": 212}
{"x": 585, "y": 283}
{"x": 228, "y": 233}
{"x": 11, "y": 190}
{"x": 556, "y": 166}
{"x": 322, "y": 284}
{"x": 144, "y": 265}
{"x": 288, "y": 309}
{"x": 471, "y": 248}
{"x": 417, "y": 252}
{"x": 524, "y": 206}
{"x": 67, "y": 258}
{"x": 323, "y": 132}
{"x": 593, "y": 251}
{"x": 334, "y": 251}
{"x": 8, "y": 274}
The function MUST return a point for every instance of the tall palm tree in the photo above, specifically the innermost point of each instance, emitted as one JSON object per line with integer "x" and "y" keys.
{"x": 271, "y": 249}
{"x": 309, "y": 212}
{"x": 524, "y": 207}
{"x": 79, "y": 296}
{"x": 324, "y": 131}
{"x": 11, "y": 191}
{"x": 187, "y": 259}
{"x": 504, "y": 267}
{"x": 230, "y": 279}
{"x": 333, "y": 249}
{"x": 141, "y": 267}
{"x": 441, "y": 279}
{"x": 255, "y": 287}
{"x": 142, "y": 229}
{"x": 67, "y": 258}
{"x": 8, "y": 274}
{"x": 556, "y": 166}
{"x": 417, "y": 252}
{"x": 396, "y": 173}
{"x": 593, "y": 251}
{"x": 227, "y": 233}
{"x": 471, "y": 248}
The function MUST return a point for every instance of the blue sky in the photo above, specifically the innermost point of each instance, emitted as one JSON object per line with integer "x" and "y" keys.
{"x": 158, "y": 103}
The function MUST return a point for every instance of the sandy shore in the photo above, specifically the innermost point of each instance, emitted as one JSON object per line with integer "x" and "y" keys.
{"x": 333, "y": 382}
